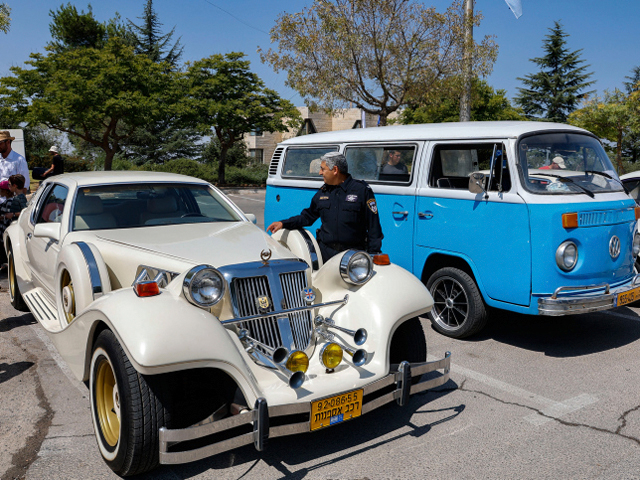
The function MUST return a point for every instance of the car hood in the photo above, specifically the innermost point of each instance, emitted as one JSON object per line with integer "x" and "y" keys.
{"x": 216, "y": 244}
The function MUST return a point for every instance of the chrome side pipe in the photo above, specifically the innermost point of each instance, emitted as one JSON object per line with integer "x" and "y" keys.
{"x": 358, "y": 357}
{"x": 359, "y": 336}
{"x": 276, "y": 358}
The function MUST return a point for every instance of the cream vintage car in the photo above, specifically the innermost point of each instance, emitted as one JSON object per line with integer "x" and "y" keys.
{"x": 196, "y": 330}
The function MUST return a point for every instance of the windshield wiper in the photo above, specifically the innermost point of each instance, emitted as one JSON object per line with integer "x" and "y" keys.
{"x": 567, "y": 180}
{"x": 606, "y": 175}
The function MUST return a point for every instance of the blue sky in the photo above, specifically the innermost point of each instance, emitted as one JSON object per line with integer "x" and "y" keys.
{"x": 607, "y": 32}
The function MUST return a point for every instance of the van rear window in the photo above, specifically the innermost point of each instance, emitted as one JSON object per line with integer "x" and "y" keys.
{"x": 384, "y": 163}
{"x": 304, "y": 162}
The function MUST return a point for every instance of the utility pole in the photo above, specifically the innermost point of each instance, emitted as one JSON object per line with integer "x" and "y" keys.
{"x": 465, "y": 98}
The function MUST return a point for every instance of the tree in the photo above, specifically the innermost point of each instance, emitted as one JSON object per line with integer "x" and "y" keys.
{"x": 5, "y": 19}
{"x": 371, "y": 54}
{"x": 101, "y": 95}
{"x": 487, "y": 104}
{"x": 557, "y": 89}
{"x": 226, "y": 97}
{"x": 613, "y": 117}
{"x": 631, "y": 143}
{"x": 150, "y": 41}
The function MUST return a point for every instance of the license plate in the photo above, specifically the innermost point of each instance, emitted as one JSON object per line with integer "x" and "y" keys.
{"x": 629, "y": 296}
{"x": 337, "y": 409}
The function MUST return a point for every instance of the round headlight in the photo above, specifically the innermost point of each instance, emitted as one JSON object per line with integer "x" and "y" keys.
{"x": 331, "y": 355}
{"x": 356, "y": 267}
{"x": 636, "y": 244}
{"x": 567, "y": 256}
{"x": 298, "y": 362}
{"x": 203, "y": 286}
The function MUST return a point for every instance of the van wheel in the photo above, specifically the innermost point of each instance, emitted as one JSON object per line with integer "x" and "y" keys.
{"x": 126, "y": 413}
{"x": 458, "y": 309}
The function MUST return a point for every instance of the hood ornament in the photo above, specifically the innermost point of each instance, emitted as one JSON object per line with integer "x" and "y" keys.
{"x": 265, "y": 255}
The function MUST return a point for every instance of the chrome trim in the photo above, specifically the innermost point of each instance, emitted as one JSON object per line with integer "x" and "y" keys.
{"x": 614, "y": 247}
{"x": 259, "y": 417}
{"x": 186, "y": 286}
{"x": 574, "y": 304}
{"x": 560, "y": 256}
{"x": 345, "y": 264}
{"x": 146, "y": 273}
{"x": 283, "y": 312}
{"x": 359, "y": 336}
{"x": 92, "y": 267}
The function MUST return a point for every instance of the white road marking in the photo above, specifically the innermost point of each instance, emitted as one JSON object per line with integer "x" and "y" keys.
{"x": 245, "y": 198}
{"x": 550, "y": 407}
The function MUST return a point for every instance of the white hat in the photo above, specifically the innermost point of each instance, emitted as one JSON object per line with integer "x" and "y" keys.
{"x": 560, "y": 161}
{"x": 53, "y": 149}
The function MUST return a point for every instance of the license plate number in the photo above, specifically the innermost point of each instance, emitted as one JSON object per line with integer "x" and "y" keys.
{"x": 336, "y": 409}
{"x": 629, "y": 296}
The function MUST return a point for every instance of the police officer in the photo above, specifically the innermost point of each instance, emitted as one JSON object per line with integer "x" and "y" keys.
{"x": 347, "y": 208}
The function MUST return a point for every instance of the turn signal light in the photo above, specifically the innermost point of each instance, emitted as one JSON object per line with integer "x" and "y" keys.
{"x": 570, "y": 220}
{"x": 331, "y": 355}
{"x": 637, "y": 212}
{"x": 383, "y": 258}
{"x": 146, "y": 289}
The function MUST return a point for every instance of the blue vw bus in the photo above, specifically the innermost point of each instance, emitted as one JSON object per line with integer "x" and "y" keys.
{"x": 529, "y": 217}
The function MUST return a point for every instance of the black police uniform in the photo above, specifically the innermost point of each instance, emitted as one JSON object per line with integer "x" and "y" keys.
{"x": 349, "y": 216}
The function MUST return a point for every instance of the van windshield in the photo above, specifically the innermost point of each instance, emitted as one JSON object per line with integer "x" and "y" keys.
{"x": 566, "y": 164}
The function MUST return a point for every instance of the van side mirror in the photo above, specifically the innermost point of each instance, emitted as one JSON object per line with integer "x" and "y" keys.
{"x": 477, "y": 183}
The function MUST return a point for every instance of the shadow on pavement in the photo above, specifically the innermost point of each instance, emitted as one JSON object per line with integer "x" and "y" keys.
{"x": 569, "y": 336}
{"x": 376, "y": 429}
{"x": 10, "y": 323}
{"x": 8, "y": 371}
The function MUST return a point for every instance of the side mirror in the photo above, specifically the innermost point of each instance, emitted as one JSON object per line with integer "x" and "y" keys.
{"x": 251, "y": 217}
{"x": 477, "y": 182}
{"x": 48, "y": 230}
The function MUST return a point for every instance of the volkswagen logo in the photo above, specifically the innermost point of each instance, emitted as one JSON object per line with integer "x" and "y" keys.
{"x": 614, "y": 247}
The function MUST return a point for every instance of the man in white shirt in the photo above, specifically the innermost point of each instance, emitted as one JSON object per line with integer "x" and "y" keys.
{"x": 11, "y": 162}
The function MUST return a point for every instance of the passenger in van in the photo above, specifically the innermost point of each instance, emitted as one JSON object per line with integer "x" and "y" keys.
{"x": 347, "y": 208}
{"x": 394, "y": 165}
{"x": 556, "y": 164}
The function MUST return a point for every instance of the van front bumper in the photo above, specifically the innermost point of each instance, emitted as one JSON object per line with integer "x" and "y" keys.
{"x": 176, "y": 446}
{"x": 572, "y": 304}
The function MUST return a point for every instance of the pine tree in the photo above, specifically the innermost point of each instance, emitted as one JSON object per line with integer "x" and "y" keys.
{"x": 631, "y": 144}
{"x": 556, "y": 90}
{"x": 150, "y": 41}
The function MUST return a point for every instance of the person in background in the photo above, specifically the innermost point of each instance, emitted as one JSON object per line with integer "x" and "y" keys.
{"x": 57, "y": 164}
{"x": 556, "y": 164}
{"x": 18, "y": 201}
{"x": 347, "y": 208}
{"x": 11, "y": 162}
{"x": 394, "y": 165}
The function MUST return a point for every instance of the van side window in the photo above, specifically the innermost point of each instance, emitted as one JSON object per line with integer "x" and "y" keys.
{"x": 304, "y": 162}
{"x": 452, "y": 164}
{"x": 385, "y": 163}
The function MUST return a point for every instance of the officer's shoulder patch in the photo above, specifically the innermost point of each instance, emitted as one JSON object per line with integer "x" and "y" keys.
{"x": 371, "y": 203}
{"x": 352, "y": 198}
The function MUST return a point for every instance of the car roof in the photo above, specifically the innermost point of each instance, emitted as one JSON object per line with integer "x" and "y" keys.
{"x": 629, "y": 175}
{"x": 81, "y": 179}
{"x": 426, "y": 131}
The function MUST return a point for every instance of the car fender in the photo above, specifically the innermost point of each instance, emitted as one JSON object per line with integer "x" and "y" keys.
{"x": 12, "y": 236}
{"x": 159, "y": 334}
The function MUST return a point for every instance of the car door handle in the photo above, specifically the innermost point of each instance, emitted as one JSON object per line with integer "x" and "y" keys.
{"x": 29, "y": 235}
{"x": 401, "y": 213}
{"x": 425, "y": 214}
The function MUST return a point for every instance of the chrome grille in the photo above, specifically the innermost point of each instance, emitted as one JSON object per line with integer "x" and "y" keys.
{"x": 292, "y": 285}
{"x": 247, "y": 289}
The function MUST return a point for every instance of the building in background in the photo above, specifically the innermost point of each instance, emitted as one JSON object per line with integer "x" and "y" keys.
{"x": 262, "y": 144}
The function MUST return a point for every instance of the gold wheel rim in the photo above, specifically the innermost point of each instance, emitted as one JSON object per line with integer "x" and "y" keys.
{"x": 107, "y": 403}
{"x": 12, "y": 277}
{"x": 69, "y": 313}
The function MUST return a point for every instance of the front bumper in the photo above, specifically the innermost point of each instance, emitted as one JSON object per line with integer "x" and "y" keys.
{"x": 287, "y": 417}
{"x": 591, "y": 302}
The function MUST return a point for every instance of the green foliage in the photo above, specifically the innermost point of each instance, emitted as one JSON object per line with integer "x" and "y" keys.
{"x": 557, "y": 89}
{"x": 255, "y": 175}
{"x": 72, "y": 29}
{"x": 486, "y": 104}
{"x": 237, "y": 155}
{"x": 5, "y": 19}
{"x": 150, "y": 41}
{"x": 375, "y": 55}
{"x": 226, "y": 96}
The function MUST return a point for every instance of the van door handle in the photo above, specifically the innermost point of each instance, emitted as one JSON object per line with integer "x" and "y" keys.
{"x": 425, "y": 214}
{"x": 401, "y": 213}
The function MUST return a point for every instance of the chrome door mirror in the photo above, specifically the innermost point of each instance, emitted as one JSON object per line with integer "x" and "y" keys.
{"x": 477, "y": 182}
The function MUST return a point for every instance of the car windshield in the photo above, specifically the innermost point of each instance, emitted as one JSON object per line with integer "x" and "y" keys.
{"x": 566, "y": 164}
{"x": 148, "y": 204}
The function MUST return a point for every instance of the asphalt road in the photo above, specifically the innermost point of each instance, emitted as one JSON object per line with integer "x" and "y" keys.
{"x": 529, "y": 398}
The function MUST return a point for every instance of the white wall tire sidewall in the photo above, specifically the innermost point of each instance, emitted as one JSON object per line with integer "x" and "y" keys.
{"x": 106, "y": 454}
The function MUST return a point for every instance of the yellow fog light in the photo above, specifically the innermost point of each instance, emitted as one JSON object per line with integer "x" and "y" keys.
{"x": 298, "y": 362}
{"x": 331, "y": 355}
